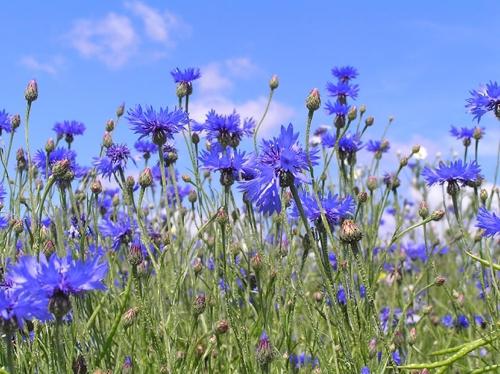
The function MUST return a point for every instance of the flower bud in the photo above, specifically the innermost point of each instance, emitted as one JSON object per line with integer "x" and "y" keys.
{"x": 362, "y": 197}
{"x": 15, "y": 121}
{"x": 192, "y": 196}
{"x": 130, "y": 316}
{"x": 440, "y": 280}
{"x": 313, "y": 101}
{"x": 79, "y": 365}
{"x": 21, "y": 160}
{"x": 369, "y": 121}
{"x": 120, "y": 110}
{"x": 186, "y": 178}
{"x": 31, "y": 92}
{"x": 362, "y": 109}
{"x": 423, "y": 210}
{"x": 265, "y": 351}
{"x": 352, "y": 113}
{"x": 130, "y": 183}
{"x": 483, "y": 195}
{"x": 318, "y": 296}
{"x": 350, "y": 232}
{"x": 222, "y": 216}
{"x": 274, "y": 82}
{"x": 256, "y": 261}
{"x": 135, "y": 256}
{"x": 96, "y": 187}
{"x": 110, "y": 125}
{"x": 437, "y": 215}
{"x": 478, "y": 133}
{"x": 415, "y": 149}
{"x": 50, "y": 145}
{"x": 403, "y": 161}
{"x": 195, "y": 138}
{"x": 466, "y": 142}
{"x": 60, "y": 168}
{"x": 372, "y": 183}
{"x": 107, "y": 140}
{"x": 18, "y": 226}
{"x": 199, "y": 304}
{"x": 197, "y": 265}
{"x": 146, "y": 178}
{"x": 222, "y": 327}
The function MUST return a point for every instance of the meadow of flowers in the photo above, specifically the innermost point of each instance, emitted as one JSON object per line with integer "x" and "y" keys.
{"x": 245, "y": 252}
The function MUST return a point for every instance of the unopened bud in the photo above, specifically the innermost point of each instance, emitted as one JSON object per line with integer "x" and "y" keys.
{"x": 195, "y": 138}
{"x": 130, "y": 183}
{"x": 369, "y": 121}
{"x": 423, "y": 210}
{"x": 192, "y": 196}
{"x": 222, "y": 216}
{"x": 130, "y": 316}
{"x": 362, "y": 197}
{"x": 199, "y": 304}
{"x": 50, "y": 145}
{"x": 186, "y": 178}
{"x": 96, "y": 187}
{"x": 478, "y": 133}
{"x": 352, "y": 113}
{"x": 404, "y": 161}
{"x": 222, "y": 327}
{"x": 60, "y": 168}
{"x": 437, "y": 215}
{"x": 483, "y": 195}
{"x": 146, "y": 178}
{"x": 313, "y": 101}
{"x": 15, "y": 121}
{"x": 372, "y": 183}
{"x": 120, "y": 110}
{"x": 31, "y": 92}
{"x": 274, "y": 82}
{"x": 362, "y": 109}
{"x": 256, "y": 261}
{"x": 440, "y": 280}
{"x": 110, "y": 125}
{"x": 415, "y": 149}
{"x": 107, "y": 140}
{"x": 350, "y": 232}
{"x": 197, "y": 265}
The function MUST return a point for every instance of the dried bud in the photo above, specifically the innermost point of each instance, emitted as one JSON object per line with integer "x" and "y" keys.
{"x": 146, "y": 178}
{"x": 437, "y": 215}
{"x": 222, "y": 327}
{"x": 423, "y": 210}
{"x": 96, "y": 187}
{"x": 199, "y": 304}
{"x": 130, "y": 316}
{"x": 222, "y": 216}
{"x": 31, "y": 92}
{"x": 350, "y": 232}
{"x": 274, "y": 82}
{"x": 197, "y": 265}
{"x": 15, "y": 121}
{"x": 50, "y": 145}
{"x": 369, "y": 121}
{"x": 415, "y": 149}
{"x": 256, "y": 261}
{"x": 440, "y": 280}
{"x": 120, "y": 110}
{"x": 186, "y": 178}
{"x": 110, "y": 125}
{"x": 313, "y": 101}
{"x": 362, "y": 197}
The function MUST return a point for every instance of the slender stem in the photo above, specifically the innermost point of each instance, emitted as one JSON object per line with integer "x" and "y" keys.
{"x": 257, "y": 128}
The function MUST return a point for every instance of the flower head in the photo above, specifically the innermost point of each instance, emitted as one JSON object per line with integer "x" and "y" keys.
{"x": 68, "y": 130}
{"x": 454, "y": 172}
{"x": 185, "y": 76}
{"x": 5, "y": 122}
{"x": 378, "y": 146}
{"x": 485, "y": 99}
{"x": 342, "y": 90}
{"x": 146, "y": 148}
{"x": 344, "y": 73}
{"x": 228, "y": 130}
{"x": 18, "y": 305}
{"x": 159, "y": 125}
{"x": 116, "y": 159}
{"x": 489, "y": 222}
{"x": 228, "y": 161}
{"x": 337, "y": 109}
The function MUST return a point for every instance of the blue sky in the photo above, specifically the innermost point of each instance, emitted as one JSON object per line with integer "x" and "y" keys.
{"x": 417, "y": 61}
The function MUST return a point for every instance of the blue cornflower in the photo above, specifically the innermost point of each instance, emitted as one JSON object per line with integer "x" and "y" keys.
{"x": 466, "y": 133}
{"x": 279, "y": 164}
{"x": 332, "y": 258}
{"x": 303, "y": 360}
{"x": 396, "y": 357}
{"x": 228, "y": 130}
{"x": 378, "y": 146}
{"x": 338, "y": 109}
{"x": 447, "y": 321}
{"x": 58, "y": 154}
{"x": 342, "y": 90}
{"x": 462, "y": 322}
{"x": 18, "y": 305}
{"x": 341, "y": 295}
{"x": 5, "y": 122}
{"x": 485, "y": 99}
{"x": 116, "y": 159}
{"x": 334, "y": 208}
{"x": 453, "y": 173}
{"x": 146, "y": 148}
{"x": 365, "y": 370}
{"x": 120, "y": 231}
{"x": 68, "y": 130}
{"x": 2, "y": 193}
{"x": 186, "y": 76}
{"x": 344, "y": 73}
{"x": 489, "y": 222}
{"x": 416, "y": 251}
{"x": 159, "y": 125}
{"x": 349, "y": 144}
{"x": 228, "y": 161}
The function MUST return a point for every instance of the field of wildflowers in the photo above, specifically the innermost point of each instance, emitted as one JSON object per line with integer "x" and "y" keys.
{"x": 280, "y": 254}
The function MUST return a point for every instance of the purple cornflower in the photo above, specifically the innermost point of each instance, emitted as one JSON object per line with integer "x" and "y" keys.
{"x": 489, "y": 222}
{"x": 334, "y": 208}
{"x": 264, "y": 351}
{"x": 485, "y": 99}
{"x": 146, "y": 148}
{"x": 120, "y": 231}
{"x": 116, "y": 159}
{"x": 378, "y": 146}
{"x": 159, "y": 125}
{"x": 68, "y": 130}
{"x": 342, "y": 90}
{"x": 447, "y": 321}
{"x": 5, "y": 122}
{"x": 228, "y": 130}
{"x": 279, "y": 164}
{"x": 228, "y": 161}
{"x": 344, "y": 73}
{"x": 365, "y": 370}
{"x": 349, "y": 144}
{"x": 396, "y": 357}
{"x": 185, "y": 76}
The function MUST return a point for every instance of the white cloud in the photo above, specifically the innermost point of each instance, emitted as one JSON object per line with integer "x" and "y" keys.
{"x": 240, "y": 67}
{"x": 52, "y": 66}
{"x": 115, "y": 38}
{"x": 212, "y": 80}
{"x": 158, "y": 25}
{"x": 111, "y": 39}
